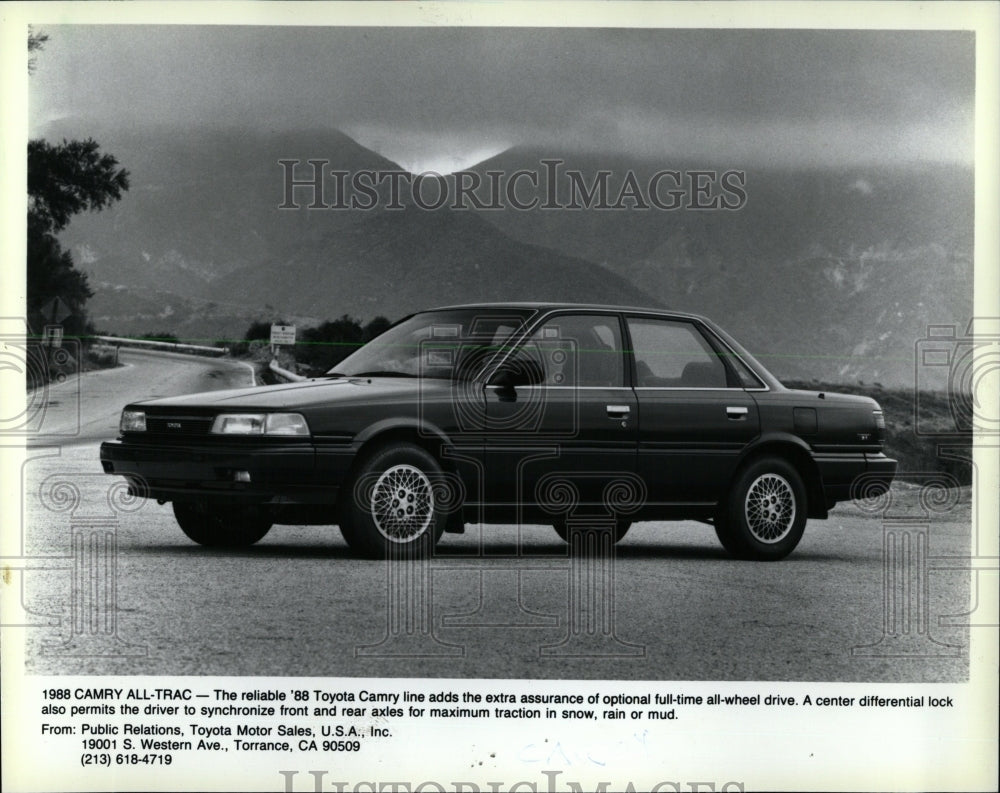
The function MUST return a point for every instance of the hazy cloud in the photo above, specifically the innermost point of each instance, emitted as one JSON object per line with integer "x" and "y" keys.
{"x": 432, "y": 95}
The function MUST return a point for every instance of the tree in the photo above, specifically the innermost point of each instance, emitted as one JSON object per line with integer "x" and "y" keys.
{"x": 324, "y": 346}
{"x": 35, "y": 42}
{"x": 259, "y": 331}
{"x": 377, "y": 326}
{"x": 63, "y": 180}
{"x": 67, "y": 179}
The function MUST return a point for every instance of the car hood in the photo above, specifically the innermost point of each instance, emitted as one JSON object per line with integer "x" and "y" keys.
{"x": 301, "y": 395}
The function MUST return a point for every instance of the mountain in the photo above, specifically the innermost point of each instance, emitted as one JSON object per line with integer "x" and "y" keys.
{"x": 205, "y": 203}
{"x": 824, "y": 273}
{"x": 199, "y": 246}
{"x": 396, "y": 262}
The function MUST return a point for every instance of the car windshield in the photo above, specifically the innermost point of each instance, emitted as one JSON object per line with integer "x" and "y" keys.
{"x": 453, "y": 344}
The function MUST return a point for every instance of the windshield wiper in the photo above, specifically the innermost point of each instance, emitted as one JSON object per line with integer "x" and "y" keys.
{"x": 382, "y": 373}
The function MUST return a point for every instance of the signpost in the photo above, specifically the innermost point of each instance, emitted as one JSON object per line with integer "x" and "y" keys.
{"x": 54, "y": 312}
{"x": 53, "y": 336}
{"x": 282, "y": 335}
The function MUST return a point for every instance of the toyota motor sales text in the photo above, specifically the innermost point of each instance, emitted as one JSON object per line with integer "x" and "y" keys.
{"x": 113, "y": 727}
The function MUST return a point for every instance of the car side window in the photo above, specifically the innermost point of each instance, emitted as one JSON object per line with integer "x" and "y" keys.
{"x": 582, "y": 350}
{"x": 747, "y": 378}
{"x": 674, "y": 354}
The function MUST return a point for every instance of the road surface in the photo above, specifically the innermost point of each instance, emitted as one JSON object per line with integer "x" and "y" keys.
{"x": 85, "y": 409}
{"x": 668, "y": 605}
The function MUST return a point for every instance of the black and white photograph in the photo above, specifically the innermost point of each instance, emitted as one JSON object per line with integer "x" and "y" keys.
{"x": 500, "y": 396}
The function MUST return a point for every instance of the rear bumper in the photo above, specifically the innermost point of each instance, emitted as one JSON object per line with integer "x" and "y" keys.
{"x": 278, "y": 474}
{"x": 856, "y": 474}
{"x": 879, "y": 473}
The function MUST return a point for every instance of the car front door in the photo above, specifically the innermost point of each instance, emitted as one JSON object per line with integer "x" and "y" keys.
{"x": 566, "y": 429}
{"x": 695, "y": 414}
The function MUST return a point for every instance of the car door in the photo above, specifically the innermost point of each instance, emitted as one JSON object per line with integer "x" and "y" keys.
{"x": 695, "y": 415}
{"x": 572, "y": 432}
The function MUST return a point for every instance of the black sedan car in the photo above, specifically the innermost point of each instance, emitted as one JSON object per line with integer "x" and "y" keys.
{"x": 573, "y": 416}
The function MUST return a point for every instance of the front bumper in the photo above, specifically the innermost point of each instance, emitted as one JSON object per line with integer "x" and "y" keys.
{"x": 279, "y": 473}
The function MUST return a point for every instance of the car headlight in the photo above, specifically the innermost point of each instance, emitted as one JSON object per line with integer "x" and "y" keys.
{"x": 132, "y": 421}
{"x": 260, "y": 424}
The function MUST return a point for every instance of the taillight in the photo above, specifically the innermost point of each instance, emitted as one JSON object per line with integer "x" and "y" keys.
{"x": 879, "y": 424}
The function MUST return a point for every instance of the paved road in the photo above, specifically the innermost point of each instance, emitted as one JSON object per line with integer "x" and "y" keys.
{"x": 299, "y": 604}
{"x": 86, "y": 408}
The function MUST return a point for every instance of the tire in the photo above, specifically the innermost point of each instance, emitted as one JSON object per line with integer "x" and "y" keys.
{"x": 237, "y": 527}
{"x": 621, "y": 529}
{"x": 391, "y": 506}
{"x": 764, "y": 515}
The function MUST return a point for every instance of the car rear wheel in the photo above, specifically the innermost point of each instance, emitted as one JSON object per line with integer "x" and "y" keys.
{"x": 221, "y": 528}
{"x": 621, "y": 529}
{"x": 764, "y": 516}
{"x": 392, "y": 505}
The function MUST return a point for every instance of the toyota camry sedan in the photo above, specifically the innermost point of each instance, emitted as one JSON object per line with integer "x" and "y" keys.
{"x": 570, "y": 416}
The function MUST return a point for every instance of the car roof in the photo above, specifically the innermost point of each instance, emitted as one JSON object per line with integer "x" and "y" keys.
{"x": 551, "y": 306}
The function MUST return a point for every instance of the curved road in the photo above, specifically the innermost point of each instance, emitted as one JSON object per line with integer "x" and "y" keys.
{"x": 86, "y": 408}
{"x": 490, "y": 603}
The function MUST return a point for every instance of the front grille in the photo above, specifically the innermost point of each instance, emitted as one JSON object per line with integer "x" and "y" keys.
{"x": 178, "y": 426}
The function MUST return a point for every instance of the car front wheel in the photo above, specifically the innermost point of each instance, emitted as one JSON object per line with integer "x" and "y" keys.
{"x": 392, "y": 506}
{"x": 764, "y": 515}
{"x": 221, "y": 528}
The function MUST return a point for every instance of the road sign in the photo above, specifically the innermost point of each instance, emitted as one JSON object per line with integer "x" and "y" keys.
{"x": 283, "y": 334}
{"x": 56, "y": 310}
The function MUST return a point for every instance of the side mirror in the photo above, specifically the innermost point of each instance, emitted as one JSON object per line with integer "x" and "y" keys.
{"x": 518, "y": 372}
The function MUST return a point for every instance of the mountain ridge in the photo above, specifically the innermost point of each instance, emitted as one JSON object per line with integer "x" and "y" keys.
{"x": 822, "y": 273}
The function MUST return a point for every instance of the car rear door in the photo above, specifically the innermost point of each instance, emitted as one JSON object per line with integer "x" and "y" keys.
{"x": 695, "y": 415}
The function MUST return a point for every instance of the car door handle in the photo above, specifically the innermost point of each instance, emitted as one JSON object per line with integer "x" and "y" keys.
{"x": 618, "y": 411}
{"x": 736, "y": 413}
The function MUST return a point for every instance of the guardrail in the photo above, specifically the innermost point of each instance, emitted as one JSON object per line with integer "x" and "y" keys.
{"x": 196, "y": 349}
{"x": 284, "y": 374}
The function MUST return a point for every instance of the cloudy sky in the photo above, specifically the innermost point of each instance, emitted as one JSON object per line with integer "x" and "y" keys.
{"x": 445, "y": 98}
